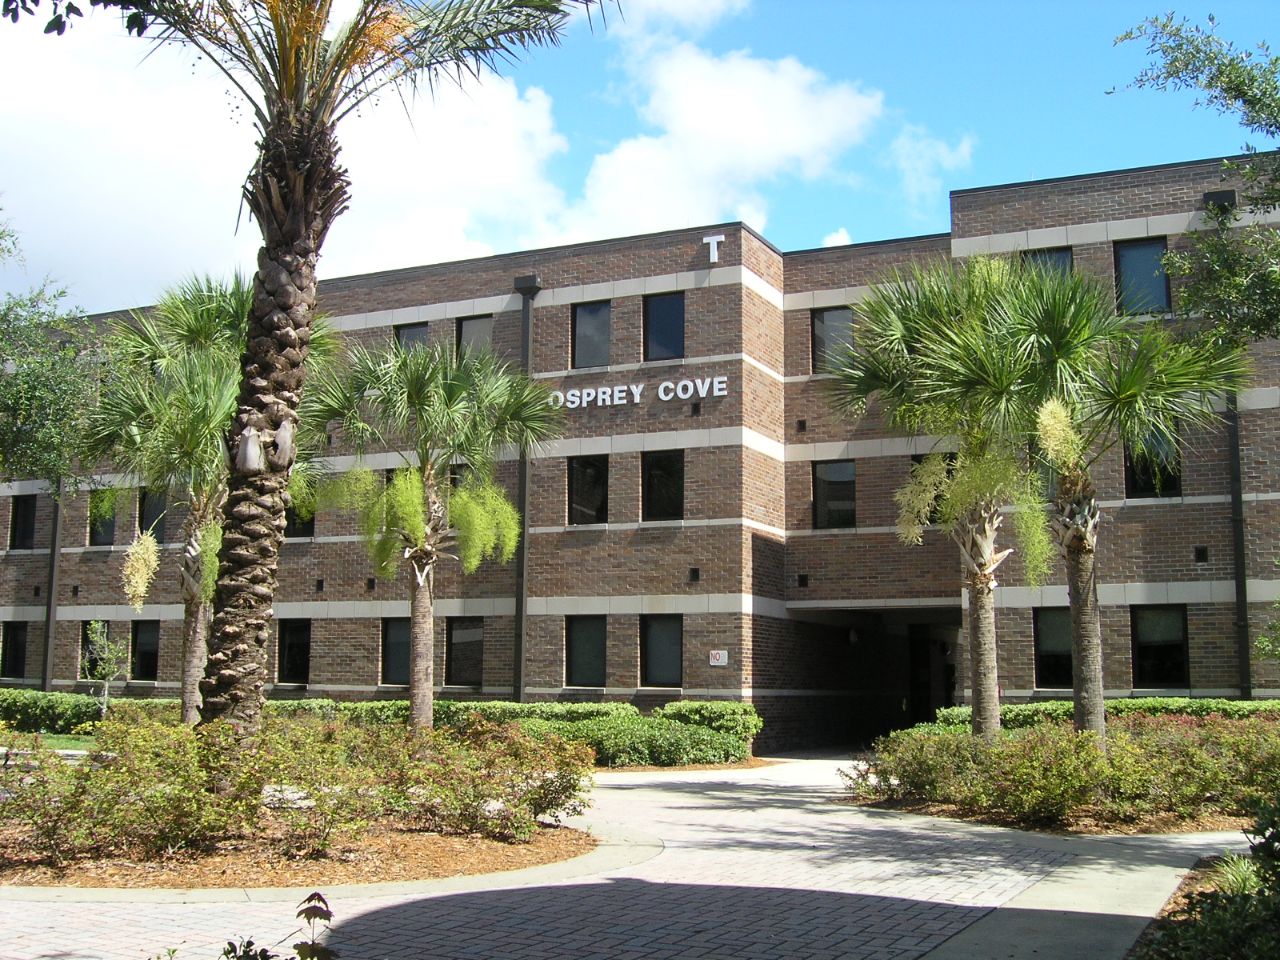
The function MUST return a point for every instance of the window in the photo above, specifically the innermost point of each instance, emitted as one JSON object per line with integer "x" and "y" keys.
{"x": 584, "y": 640}
{"x": 589, "y": 489}
{"x": 22, "y": 522}
{"x": 295, "y": 527}
{"x": 832, "y": 335}
{"x": 664, "y": 326}
{"x": 662, "y": 485}
{"x": 661, "y": 650}
{"x": 90, "y": 663}
{"x": 1159, "y": 646}
{"x": 13, "y": 651}
{"x": 410, "y": 335}
{"x": 151, "y": 513}
{"x": 102, "y": 518}
{"x": 1157, "y": 475}
{"x": 475, "y": 333}
{"x": 144, "y": 652}
{"x": 590, "y": 346}
{"x": 1141, "y": 283}
{"x": 395, "y": 651}
{"x": 833, "y": 494}
{"x": 1049, "y": 259}
{"x": 293, "y": 663}
{"x": 464, "y": 652}
{"x": 1052, "y": 626}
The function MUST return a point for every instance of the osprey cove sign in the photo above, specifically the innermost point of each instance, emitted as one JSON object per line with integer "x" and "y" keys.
{"x": 623, "y": 394}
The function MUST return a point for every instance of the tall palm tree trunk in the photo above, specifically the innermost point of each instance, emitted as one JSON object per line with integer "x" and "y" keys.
{"x": 421, "y": 649}
{"x": 976, "y": 536}
{"x": 195, "y": 643}
{"x": 1076, "y": 528}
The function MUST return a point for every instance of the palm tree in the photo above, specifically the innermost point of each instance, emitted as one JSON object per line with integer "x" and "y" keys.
{"x": 172, "y": 377}
{"x": 301, "y": 72}
{"x": 1105, "y": 380}
{"x": 922, "y": 353}
{"x": 442, "y": 409}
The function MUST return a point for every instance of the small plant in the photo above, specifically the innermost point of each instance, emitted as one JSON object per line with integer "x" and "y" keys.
{"x": 314, "y": 910}
{"x": 1235, "y": 874}
{"x": 103, "y": 660}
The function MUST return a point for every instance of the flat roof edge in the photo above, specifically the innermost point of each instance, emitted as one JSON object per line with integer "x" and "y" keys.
{"x": 1111, "y": 173}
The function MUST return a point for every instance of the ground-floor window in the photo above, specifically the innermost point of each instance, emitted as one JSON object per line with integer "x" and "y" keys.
{"x": 584, "y": 642}
{"x": 13, "y": 651}
{"x": 293, "y": 664}
{"x": 1159, "y": 646}
{"x": 661, "y": 650}
{"x": 395, "y": 651}
{"x": 464, "y": 652}
{"x": 144, "y": 650}
{"x": 1053, "y": 647}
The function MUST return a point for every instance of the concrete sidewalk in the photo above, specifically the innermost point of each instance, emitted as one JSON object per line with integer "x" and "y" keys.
{"x": 759, "y": 863}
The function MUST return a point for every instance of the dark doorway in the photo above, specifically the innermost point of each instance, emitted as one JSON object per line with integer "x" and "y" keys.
{"x": 931, "y": 678}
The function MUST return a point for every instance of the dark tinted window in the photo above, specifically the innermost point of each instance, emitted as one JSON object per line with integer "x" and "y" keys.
{"x": 1159, "y": 476}
{"x": 22, "y": 522}
{"x": 410, "y": 335}
{"x": 294, "y": 663}
{"x": 832, "y": 335}
{"x": 1053, "y": 646}
{"x": 1049, "y": 258}
{"x": 661, "y": 650}
{"x": 395, "y": 651}
{"x": 662, "y": 485}
{"x": 589, "y": 489}
{"x": 475, "y": 333}
{"x": 102, "y": 522}
{"x": 584, "y": 641}
{"x": 464, "y": 652}
{"x": 294, "y": 526}
{"x": 1141, "y": 283}
{"x": 833, "y": 494}
{"x": 591, "y": 334}
{"x": 1159, "y": 646}
{"x": 664, "y": 326}
{"x": 151, "y": 513}
{"x": 89, "y": 661}
{"x": 144, "y": 652}
{"x": 13, "y": 651}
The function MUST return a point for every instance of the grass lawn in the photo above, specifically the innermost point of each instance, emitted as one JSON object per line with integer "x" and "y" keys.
{"x": 59, "y": 741}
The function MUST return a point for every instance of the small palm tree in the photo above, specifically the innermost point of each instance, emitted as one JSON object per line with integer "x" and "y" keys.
{"x": 442, "y": 409}
{"x": 170, "y": 392}
{"x": 922, "y": 352}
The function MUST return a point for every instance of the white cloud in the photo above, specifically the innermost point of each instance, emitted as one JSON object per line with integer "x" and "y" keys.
{"x": 647, "y": 16}
{"x": 837, "y": 238}
{"x": 920, "y": 158}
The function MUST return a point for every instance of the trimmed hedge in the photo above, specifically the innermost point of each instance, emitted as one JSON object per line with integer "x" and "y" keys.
{"x": 33, "y": 711}
{"x": 1016, "y": 716}
{"x": 625, "y": 741}
{"x": 726, "y": 716}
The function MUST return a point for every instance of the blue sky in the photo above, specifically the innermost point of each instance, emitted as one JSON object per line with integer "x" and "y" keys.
{"x": 817, "y": 121}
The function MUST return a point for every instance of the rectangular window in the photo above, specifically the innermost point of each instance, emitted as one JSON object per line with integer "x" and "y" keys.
{"x": 293, "y": 663}
{"x": 664, "y": 326}
{"x": 102, "y": 519}
{"x": 588, "y": 489}
{"x": 1159, "y": 646}
{"x": 296, "y": 528}
{"x": 1049, "y": 259}
{"x": 590, "y": 347}
{"x": 151, "y": 508}
{"x": 661, "y": 650}
{"x": 1141, "y": 283}
{"x": 833, "y": 494}
{"x": 144, "y": 652}
{"x": 1148, "y": 476}
{"x": 13, "y": 651}
{"x": 475, "y": 333}
{"x": 410, "y": 335}
{"x": 584, "y": 642}
{"x": 464, "y": 652}
{"x": 832, "y": 336}
{"x": 662, "y": 485}
{"x": 22, "y": 522}
{"x": 395, "y": 651}
{"x": 89, "y": 661}
{"x": 1052, "y": 627}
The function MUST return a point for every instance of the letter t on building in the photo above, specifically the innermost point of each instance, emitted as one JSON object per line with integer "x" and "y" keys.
{"x": 714, "y": 243}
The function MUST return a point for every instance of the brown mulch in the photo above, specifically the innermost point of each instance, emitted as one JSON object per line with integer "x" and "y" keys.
{"x": 1082, "y": 825}
{"x": 380, "y": 854}
{"x": 1196, "y": 881}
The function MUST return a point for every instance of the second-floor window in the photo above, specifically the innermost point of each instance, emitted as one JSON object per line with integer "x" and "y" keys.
{"x": 410, "y": 335}
{"x": 588, "y": 483}
{"x": 475, "y": 333}
{"x": 590, "y": 334}
{"x": 833, "y": 494}
{"x": 151, "y": 513}
{"x": 832, "y": 336}
{"x": 662, "y": 485}
{"x": 22, "y": 522}
{"x": 664, "y": 326}
{"x": 1141, "y": 283}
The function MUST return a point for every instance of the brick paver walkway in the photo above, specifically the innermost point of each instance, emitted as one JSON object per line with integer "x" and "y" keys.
{"x": 754, "y": 864}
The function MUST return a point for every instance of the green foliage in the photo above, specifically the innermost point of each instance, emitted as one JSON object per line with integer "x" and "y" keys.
{"x": 487, "y": 523}
{"x": 36, "y": 711}
{"x": 725, "y": 716}
{"x": 210, "y": 545}
{"x": 103, "y": 503}
{"x": 623, "y": 740}
{"x": 1235, "y": 875}
{"x": 103, "y": 660}
{"x": 456, "y": 712}
{"x": 141, "y": 561}
{"x": 1017, "y": 715}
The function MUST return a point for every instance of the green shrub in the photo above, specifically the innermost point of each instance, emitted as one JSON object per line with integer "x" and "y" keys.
{"x": 37, "y": 711}
{"x": 1037, "y": 775}
{"x": 1017, "y": 715}
{"x": 726, "y": 716}
{"x": 931, "y": 763}
{"x": 623, "y": 741}
{"x": 43, "y": 795}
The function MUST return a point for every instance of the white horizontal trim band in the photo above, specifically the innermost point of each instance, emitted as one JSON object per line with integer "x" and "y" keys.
{"x": 873, "y": 603}
{"x": 692, "y": 603}
{"x": 1128, "y": 594}
{"x": 818, "y": 299}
